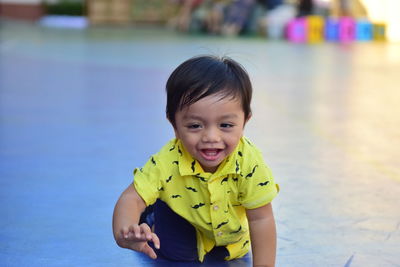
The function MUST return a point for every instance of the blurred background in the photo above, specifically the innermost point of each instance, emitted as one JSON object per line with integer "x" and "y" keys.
{"x": 82, "y": 104}
{"x": 268, "y": 18}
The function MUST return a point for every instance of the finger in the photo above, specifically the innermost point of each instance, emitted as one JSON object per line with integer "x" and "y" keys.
{"x": 156, "y": 241}
{"x": 125, "y": 232}
{"x": 135, "y": 230}
{"x": 146, "y": 231}
{"x": 149, "y": 251}
{"x": 130, "y": 235}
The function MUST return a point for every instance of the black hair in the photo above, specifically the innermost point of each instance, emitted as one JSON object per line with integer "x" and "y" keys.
{"x": 207, "y": 75}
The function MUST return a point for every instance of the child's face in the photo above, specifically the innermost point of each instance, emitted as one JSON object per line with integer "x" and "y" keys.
{"x": 210, "y": 129}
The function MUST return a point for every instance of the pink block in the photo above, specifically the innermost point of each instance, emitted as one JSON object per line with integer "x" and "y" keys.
{"x": 296, "y": 30}
{"x": 347, "y": 29}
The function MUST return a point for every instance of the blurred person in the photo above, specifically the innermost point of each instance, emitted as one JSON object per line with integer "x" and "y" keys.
{"x": 200, "y": 16}
{"x": 274, "y": 22}
{"x": 305, "y": 8}
{"x": 208, "y": 191}
{"x": 272, "y": 4}
{"x": 238, "y": 14}
{"x": 209, "y": 16}
{"x": 256, "y": 21}
{"x": 216, "y": 15}
{"x": 352, "y": 8}
{"x": 183, "y": 19}
{"x": 322, "y": 7}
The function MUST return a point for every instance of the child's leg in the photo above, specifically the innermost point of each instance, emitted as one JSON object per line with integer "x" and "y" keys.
{"x": 177, "y": 236}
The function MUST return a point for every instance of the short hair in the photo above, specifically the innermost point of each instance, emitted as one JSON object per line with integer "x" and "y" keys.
{"x": 206, "y": 75}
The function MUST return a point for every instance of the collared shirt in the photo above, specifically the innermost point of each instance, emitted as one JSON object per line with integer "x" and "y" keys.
{"x": 214, "y": 203}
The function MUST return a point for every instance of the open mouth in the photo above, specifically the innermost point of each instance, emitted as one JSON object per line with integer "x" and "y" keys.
{"x": 210, "y": 154}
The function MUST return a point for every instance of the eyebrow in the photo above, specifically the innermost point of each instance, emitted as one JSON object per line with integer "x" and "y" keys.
{"x": 229, "y": 116}
{"x": 224, "y": 117}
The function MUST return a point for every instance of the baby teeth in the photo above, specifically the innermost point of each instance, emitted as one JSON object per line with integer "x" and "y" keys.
{"x": 210, "y": 152}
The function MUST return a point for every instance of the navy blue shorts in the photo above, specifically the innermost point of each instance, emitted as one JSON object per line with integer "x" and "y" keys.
{"x": 177, "y": 236}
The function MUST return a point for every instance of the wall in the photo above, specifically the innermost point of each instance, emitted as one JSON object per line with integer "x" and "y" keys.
{"x": 29, "y": 2}
{"x": 21, "y": 9}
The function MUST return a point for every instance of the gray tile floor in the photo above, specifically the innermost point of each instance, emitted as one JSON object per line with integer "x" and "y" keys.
{"x": 79, "y": 109}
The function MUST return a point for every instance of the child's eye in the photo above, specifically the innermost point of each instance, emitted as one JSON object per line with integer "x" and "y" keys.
{"x": 226, "y": 125}
{"x": 194, "y": 126}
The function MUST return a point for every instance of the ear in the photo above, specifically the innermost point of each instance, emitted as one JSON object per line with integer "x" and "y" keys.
{"x": 173, "y": 126}
{"x": 248, "y": 118}
{"x": 176, "y": 133}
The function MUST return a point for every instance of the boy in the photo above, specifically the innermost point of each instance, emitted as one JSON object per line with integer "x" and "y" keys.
{"x": 209, "y": 188}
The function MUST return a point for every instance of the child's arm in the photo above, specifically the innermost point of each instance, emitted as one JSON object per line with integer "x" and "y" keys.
{"x": 263, "y": 235}
{"x": 127, "y": 232}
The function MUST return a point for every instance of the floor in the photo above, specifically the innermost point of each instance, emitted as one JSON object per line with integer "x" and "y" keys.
{"x": 80, "y": 109}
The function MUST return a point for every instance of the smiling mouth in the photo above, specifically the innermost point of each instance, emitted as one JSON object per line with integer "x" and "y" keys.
{"x": 210, "y": 154}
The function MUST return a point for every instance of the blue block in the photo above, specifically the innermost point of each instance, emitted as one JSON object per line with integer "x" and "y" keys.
{"x": 332, "y": 30}
{"x": 363, "y": 30}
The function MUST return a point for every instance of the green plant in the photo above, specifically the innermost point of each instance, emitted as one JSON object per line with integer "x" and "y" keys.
{"x": 65, "y": 7}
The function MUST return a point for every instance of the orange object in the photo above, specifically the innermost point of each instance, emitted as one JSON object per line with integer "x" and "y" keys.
{"x": 315, "y": 29}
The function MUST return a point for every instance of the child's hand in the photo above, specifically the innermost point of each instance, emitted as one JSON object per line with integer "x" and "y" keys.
{"x": 135, "y": 237}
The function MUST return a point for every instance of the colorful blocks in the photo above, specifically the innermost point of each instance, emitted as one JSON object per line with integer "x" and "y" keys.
{"x": 332, "y": 30}
{"x": 346, "y": 29}
{"x": 363, "y": 30}
{"x": 315, "y": 29}
{"x": 296, "y": 30}
{"x": 379, "y": 31}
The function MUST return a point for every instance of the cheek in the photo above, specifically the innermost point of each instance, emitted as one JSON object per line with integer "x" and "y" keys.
{"x": 234, "y": 140}
{"x": 191, "y": 140}
{"x": 188, "y": 140}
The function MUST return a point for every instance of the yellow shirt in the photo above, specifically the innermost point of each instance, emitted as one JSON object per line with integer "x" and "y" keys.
{"x": 214, "y": 203}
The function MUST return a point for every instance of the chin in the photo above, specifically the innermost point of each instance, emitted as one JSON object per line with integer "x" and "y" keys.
{"x": 211, "y": 167}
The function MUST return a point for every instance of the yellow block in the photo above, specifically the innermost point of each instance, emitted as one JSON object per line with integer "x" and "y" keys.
{"x": 379, "y": 31}
{"x": 315, "y": 29}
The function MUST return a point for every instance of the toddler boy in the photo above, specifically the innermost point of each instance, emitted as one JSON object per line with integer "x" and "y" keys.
{"x": 209, "y": 189}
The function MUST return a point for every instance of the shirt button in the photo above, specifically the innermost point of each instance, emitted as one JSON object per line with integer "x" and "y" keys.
{"x": 219, "y": 233}
{"x": 216, "y": 207}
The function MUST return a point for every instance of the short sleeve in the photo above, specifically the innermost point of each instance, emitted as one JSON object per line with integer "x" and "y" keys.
{"x": 257, "y": 185}
{"x": 147, "y": 180}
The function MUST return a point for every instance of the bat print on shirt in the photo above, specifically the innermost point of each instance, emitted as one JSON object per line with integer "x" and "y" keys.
{"x": 201, "y": 178}
{"x": 251, "y": 174}
{"x": 237, "y": 231}
{"x": 221, "y": 224}
{"x": 198, "y": 205}
{"x": 225, "y": 179}
{"x": 249, "y": 142}
{"x": 192, "y": 167}
{"x": 191, "y": 189}
{"x": 263, "y": 184}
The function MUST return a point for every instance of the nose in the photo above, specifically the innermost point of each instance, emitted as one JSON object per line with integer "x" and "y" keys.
{"x": 211, "y": 135}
